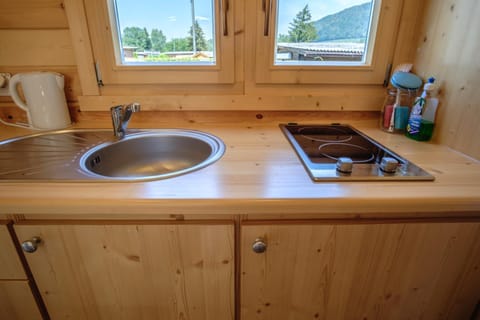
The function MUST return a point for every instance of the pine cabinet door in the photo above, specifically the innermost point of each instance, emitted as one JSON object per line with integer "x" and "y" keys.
{"x": 380, "y": 271}
{"x": 134, "y": 271}
{"x": 10, "y": 265}
{"x": 17, "y": 301}
{"x": 16, "y": 298}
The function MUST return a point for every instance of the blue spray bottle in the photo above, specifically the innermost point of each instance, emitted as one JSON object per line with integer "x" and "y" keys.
{"x": 420, "y": 123}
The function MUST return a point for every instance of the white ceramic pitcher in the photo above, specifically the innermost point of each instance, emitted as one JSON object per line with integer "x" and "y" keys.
{"x": 45, "y": 103}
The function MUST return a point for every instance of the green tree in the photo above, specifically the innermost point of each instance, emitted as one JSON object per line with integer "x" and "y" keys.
{"x": 158, "y": 40}
{"x": 178, "y": 44}
{"x": 199, "y": 38}
{"x": 148, "y": 42}
{"x": 136, "y": 37}
{"x": 301, "y": 28}
{"x": 283, "y": 38}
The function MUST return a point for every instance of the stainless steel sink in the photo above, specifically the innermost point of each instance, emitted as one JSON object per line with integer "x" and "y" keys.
{"x": 153, "y": 155}
{"x": 96, "y": 155}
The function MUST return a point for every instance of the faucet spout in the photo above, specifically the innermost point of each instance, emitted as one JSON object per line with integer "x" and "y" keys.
{"x": 121, "y": 116}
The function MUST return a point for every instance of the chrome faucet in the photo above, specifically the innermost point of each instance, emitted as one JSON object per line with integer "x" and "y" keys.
{"x": 120, "y": 117}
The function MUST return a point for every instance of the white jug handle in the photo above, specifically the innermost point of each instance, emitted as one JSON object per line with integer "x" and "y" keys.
{"x": 60, "y": 81}
{"x": 12, "y": 87}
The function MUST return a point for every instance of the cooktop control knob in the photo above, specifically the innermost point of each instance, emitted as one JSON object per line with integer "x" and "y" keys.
{"x": 389, "y": 165}
{"x": 344, "y": 165}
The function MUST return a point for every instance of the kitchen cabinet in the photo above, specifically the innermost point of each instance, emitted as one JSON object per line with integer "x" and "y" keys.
{"x": 16, "y": 298}
{"x": 121, "y": 270}
{"x": 360, "y": 271}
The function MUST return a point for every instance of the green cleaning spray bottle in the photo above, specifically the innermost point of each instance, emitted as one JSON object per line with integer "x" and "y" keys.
{"x": 422, "y": 117}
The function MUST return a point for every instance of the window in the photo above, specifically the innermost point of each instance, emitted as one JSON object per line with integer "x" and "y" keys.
{"x": 330, "y": 41}
{"x": 181, "y": 33}
{"x": 346, "y": 42}
{"x": 325, "y": 32}
{"x": 162, "y": 42}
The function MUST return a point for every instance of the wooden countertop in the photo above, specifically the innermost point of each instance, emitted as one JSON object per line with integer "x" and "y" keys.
{"x": 259, "y": 176}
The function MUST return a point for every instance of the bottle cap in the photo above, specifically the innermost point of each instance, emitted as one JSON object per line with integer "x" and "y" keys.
{"x": 406, "y": 81}
{"x": 430, "y": 86}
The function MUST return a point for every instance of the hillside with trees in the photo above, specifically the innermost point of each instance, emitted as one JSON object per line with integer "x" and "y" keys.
{"x": 351, "y": 23}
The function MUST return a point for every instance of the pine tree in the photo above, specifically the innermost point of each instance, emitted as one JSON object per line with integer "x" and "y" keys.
{"x": 199, "y": 37}
{"x": 302, "y": 28}
{"x": 136, "y": 37}
{"x": 148, "y": 41}
{"x": 158, "y": 40}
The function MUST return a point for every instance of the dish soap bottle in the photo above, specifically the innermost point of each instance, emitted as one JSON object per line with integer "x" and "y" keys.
{"x": 422, "y": 117}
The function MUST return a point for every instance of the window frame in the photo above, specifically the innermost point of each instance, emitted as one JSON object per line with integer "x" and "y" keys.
{"x": 266, "y": 72}
{"x": 100, "y": 16}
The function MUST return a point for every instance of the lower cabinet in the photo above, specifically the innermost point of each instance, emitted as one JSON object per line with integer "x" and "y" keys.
{"x": 133, "y": 271}
{"x": 16, "y": 297}
{"x": 17, "y": 302}
{"x": 360, "y": 271}
{"x": 287, "y": 271}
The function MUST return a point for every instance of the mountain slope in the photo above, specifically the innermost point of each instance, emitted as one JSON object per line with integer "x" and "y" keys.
{"x": 351, "y": 23}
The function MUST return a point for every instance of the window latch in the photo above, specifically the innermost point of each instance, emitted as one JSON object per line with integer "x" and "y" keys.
{"x": 98, "y": 74}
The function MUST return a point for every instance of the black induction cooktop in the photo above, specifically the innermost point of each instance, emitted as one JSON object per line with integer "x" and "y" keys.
{"x": 341, "y": 152}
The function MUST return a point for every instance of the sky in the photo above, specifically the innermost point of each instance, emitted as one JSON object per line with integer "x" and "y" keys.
{"x": 174, "y": 17}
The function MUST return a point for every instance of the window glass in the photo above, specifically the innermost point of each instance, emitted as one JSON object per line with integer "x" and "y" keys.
{"x": 327, "y": 32}
{"x": 164, "y": 32}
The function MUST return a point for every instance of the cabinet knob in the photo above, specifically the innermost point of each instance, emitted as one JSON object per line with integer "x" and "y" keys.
{"x": 31, "y": 245}
{"x": 259, "y": 245}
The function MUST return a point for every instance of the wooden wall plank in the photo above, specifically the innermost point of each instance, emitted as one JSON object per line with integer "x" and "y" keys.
{"x": 448, "y": 50}
{"x": 82, "y": 46}
{"x": 412, "y": 13}
{"x": 332, "y": 101}
{"x": 36, "y": 48}
{"x": 73, "y": 87}
{"x": 32, "y": 14}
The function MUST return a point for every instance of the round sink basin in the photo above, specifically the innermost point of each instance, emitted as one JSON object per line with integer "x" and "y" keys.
{"x": 153, "y": 155}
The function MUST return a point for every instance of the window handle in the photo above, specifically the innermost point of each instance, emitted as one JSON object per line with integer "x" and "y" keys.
{"x": 267, "y": 9}
{"x": 224, "y": 7}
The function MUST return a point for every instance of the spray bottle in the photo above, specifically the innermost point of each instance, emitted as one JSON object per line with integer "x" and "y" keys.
{"x": 422, "y": 117}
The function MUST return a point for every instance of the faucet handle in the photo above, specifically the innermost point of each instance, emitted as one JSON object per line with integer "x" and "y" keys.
{"x": 117, "y": 113}
{"x": 133, "y": 107}
{"x": 120, "y": 117}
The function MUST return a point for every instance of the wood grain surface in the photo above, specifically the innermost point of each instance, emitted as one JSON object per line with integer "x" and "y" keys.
{"x": 17, "y": 302}
{"x": 10, "y": 266}
{"x": 133, "y": 271}
{"x": 374, "y": 271}
{"x": 260, "y": 174}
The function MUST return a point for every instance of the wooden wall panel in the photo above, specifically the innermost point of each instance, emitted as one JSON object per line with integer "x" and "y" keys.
{"x": 35, "y": 36}
{"x": 82, "y": 48}
{"x": 32, "y": 14}
{"x": 36, "y": 48}
{"x": 72, "y": 82}
{"x": 448, "y": 50}
{"x": 412, "y": 13}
